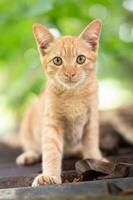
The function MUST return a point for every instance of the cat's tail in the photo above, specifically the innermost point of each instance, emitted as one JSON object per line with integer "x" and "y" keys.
{"x": 12, "y": 140}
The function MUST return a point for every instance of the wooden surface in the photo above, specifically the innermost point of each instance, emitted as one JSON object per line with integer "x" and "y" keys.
{"x": 12, "y": 176}
{"x": 15, "y": 181}
{"x": 84, "y": 190}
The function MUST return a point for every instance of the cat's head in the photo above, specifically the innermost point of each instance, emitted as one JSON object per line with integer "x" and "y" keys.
{"x": 69, "y": 60}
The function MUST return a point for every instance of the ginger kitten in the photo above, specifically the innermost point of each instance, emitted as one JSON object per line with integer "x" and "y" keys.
{"x": 64, "y": 119}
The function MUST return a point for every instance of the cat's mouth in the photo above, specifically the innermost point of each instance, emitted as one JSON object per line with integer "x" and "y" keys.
{"x": 70, "y": 84}
{"x": 71, "y": 81}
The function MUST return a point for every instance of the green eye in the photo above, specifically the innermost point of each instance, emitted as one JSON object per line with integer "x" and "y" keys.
{"x": 57, "y": 61}
{"x": 81, "y": 59}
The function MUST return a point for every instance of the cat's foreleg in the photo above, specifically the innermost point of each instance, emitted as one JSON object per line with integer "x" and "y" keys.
{"x": 52, "y": 151}
{"x": 91, "y": 136}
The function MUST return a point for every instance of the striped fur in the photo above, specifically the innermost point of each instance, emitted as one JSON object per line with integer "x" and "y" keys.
{"x": 64, "y": 119}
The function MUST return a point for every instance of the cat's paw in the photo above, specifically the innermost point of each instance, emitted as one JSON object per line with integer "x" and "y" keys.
{"x": 103, "y": 159}
{"x": 96, "y": 156}
{"x": 42, "y": 179}
{"x": 27, "y": 158}
{"x": 100, "y": 157}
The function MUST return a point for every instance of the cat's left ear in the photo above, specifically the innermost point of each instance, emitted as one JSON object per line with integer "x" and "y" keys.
{"x": 91, "y": 34}
{"x": 43, "y": 37}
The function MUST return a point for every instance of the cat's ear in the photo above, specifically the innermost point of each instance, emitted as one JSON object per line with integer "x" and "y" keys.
{"x": 91, "y": 34}
{"x": 43, "y": 37}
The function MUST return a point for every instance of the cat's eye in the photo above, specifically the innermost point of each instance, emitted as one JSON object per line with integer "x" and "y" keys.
{"x": 81, "y": 59}
{"x": 57, "y": 61}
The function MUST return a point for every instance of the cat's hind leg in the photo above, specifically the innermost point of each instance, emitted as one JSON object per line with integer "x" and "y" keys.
{"x": 32, "y": 152}
{"x": 28, "y": 158}
{"x": 29, "y": 134}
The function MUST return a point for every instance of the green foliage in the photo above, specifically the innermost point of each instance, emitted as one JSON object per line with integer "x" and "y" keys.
{"x": 20, "y": 69}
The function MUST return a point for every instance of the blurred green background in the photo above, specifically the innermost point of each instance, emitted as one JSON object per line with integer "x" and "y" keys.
{"x": 21, "y": 75}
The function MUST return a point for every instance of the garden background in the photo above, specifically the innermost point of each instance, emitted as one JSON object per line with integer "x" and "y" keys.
{"x": 21, "y": 75}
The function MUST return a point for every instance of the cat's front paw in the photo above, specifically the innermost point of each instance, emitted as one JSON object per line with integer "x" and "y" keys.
{"x": 101, "y": 158}
{"x": 42, "y": 179}
{"x": 104, "y": 159}
{"x": 96, "y": 156}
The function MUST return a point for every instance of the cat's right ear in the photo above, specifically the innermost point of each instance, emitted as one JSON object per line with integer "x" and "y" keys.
{"x": 43, "y": 37}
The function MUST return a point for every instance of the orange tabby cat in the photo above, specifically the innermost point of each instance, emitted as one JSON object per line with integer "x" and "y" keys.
{"x": 65, "y": 117}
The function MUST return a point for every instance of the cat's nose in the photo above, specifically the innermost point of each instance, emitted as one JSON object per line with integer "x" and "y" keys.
{"x": 69, "y": 75}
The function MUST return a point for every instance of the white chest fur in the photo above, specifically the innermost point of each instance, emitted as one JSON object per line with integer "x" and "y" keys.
{"x": 73, "y": 114}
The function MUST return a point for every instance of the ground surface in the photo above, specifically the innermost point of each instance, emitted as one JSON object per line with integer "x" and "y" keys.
{"x": 15, "y": 181}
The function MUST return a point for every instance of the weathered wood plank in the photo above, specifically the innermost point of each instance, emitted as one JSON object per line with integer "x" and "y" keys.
{"x": 19, "y": 178}
{"x": 65, "y": 191}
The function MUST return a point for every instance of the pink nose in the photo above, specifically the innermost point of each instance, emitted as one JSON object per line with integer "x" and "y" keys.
{"x": 69, "y": 75}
